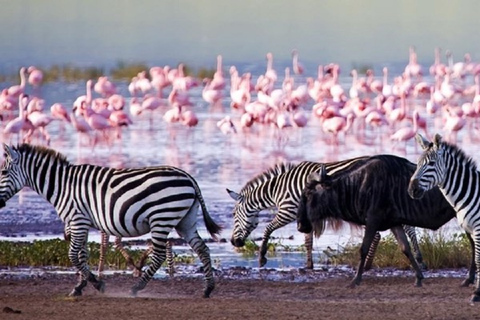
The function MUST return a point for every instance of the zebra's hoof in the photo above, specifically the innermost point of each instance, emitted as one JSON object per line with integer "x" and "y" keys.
{"x": 475, "y": 298}
{"x": 75, "y": 293}
{"x": 262, "y": 261}
{"x": 466, "y": 283}
{"x": 206, "y": 293}
{"x": 100, "y": 286}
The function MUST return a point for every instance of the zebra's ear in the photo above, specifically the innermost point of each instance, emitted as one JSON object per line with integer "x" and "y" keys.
{"x": 437, "y": 139}
{"x": 424, "y": 143}
{"x": 10, "y": 153}
{"x": 235, "y": 196}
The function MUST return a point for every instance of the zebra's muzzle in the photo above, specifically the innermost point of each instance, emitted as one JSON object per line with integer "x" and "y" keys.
{"x": 2, "y": 203}
{"x": 237, "y": 242}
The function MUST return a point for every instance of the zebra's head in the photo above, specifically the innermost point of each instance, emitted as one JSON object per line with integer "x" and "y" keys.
{"x": 11, "y": 177}
{"x": 430, "y": 167}
{"x": 244, "y": 220}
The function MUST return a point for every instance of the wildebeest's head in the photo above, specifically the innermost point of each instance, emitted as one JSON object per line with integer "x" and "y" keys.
{"x": 313, "y": 206}
{"x": 431, "y": 167}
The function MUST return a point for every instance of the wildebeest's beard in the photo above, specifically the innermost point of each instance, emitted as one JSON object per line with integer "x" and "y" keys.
{"x": 319, "y": 212}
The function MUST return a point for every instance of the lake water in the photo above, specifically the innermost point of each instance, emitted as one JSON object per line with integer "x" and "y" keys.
{"x": 87, "y": 33}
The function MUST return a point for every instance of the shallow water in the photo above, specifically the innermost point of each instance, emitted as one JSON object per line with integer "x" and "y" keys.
{"x": 215, "y": 160}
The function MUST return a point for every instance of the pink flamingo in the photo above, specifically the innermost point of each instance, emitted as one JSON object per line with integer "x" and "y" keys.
{"x": 413, "y": 68}
{"x": 96, "y": 121}
{"x": 210, "y": 94}
{"x": 180, "y": 97}
{"x": 87, "y": 97}
{"x": 80, "y": 124}
{"x": 337, "y": 124}
{"x": 406, "y": 133}
{"x": 453, "y": 123}
{"x": 297, "y": 66}
{"x": 189, "y": 118}
{"x": 270, "y": 73}
{"x": 104, "y": 87}
{"x": 299, "y": 118}
{"x": 218, "y": 81}
{"x": 226, "y": 126}
{"x": 17, "y": 90}
{"x": 20, "y": 123}
{"x": 35, "y": 76}
{"x": 135, "y": 107}
{"x": 39, "y": 121}
{"x": 174, "y": 114}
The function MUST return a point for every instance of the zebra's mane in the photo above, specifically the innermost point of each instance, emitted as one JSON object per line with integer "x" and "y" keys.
{"x": 26, "y": 148}
{"x": 459, "y": 153}
{"x": 268, "y": 174}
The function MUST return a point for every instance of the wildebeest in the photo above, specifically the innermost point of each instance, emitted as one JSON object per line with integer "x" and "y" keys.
{"x": 374, "y": 195}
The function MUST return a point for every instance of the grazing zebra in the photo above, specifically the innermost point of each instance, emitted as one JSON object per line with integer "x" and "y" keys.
{"x": 372, "y": 194}
{"x": 445, "y": 165}
{"x": 281, "y": 187}
{"x": 119, "y": 202}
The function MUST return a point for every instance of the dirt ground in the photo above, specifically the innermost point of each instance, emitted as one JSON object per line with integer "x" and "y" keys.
{"x": 44, "y": 297}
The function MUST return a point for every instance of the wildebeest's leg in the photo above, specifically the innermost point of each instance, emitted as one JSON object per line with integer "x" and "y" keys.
{"x": 402, "y": 240}
{"x": 78, "y": 256}
{"x": 372, "y": 250}
{"x": 272, "y": 226}
{"x": 473, "y": 267}
{"x": 412, "y": 235}
{"x": 370, "y": 232}
{"x": 309, "y": 248}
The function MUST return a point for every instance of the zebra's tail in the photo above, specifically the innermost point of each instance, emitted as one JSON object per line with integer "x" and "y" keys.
{"x": 213, "y": 228}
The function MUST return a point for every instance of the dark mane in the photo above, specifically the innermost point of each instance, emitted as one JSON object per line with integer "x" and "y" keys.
{"x": 459, "y": 154}
{"x": 268, "y": 174}
{"x": 26, "y": 148}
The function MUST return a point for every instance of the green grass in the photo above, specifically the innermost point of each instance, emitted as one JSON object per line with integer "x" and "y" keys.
{"x": 439, "y": 252}
{"x": 55, "y": 253}
{"x": 122, "y": 71}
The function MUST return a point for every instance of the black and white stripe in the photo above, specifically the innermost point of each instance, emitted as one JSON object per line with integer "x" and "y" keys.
{"x": 281, "y": 187}
{"x": 446, "y": 166}
{"x": 119, "y": 202}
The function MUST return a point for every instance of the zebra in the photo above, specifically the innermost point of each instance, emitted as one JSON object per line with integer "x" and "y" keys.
{"x": 281, "y": 186}
{"x": 447, "y": 166}
{"x": 122, "y": 202}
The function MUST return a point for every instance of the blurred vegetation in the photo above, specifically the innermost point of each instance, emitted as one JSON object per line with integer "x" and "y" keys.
{"x": 55, "y": 253}
{"x": 438, "y": 251}
{"x": 122, "y": 71}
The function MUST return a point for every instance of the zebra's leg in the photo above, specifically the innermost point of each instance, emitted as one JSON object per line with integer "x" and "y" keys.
{"x": 370, "y": 232}
{"x": 170, "y": 259}
{"x": 471, "y": 272}
{"x": 275, "y": 224}
{"x": 203, "y": 252}
{"x": 187, "y": 229}
{"x": 371, "y": 251}
{"x": 412, "y": 235}
{"x": 402, "y": 240}
{"x": 77, "y": 254}
{"x": 159, "y": 238}
{"x": 103, "y": 251}
{"x": 476, "y": 241}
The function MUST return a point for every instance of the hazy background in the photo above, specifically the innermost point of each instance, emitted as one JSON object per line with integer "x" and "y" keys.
{"x": 104, "y": 32}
